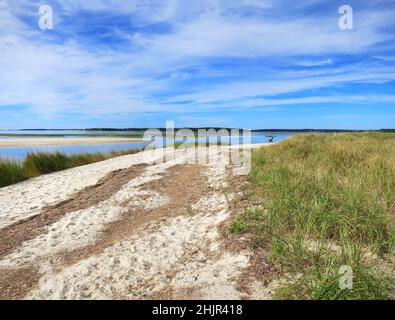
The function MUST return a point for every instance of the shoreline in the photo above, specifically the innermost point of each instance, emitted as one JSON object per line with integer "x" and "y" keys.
{"x": 62, "y": 141}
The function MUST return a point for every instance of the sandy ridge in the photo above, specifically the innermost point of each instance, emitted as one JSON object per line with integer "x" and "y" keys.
{"x": 154, "y": 236}
{"x": 24, "y": 142}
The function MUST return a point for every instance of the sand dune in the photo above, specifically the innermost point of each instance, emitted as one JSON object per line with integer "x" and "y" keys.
{"x": 125, "y": 228}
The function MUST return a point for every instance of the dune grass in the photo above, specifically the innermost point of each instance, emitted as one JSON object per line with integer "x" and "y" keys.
{"x": 327, "y": 201}
{"x": 39, "y": 163}
{"x": 10, "y": 172}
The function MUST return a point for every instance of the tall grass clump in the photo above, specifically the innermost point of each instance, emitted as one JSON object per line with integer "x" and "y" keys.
{"x": 39, "y": 163}
{"x": 10, "y": 172}
{"x": 327, "y": 201}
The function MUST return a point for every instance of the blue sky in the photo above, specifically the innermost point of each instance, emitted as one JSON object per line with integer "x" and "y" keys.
{"x": 245, "y": 63}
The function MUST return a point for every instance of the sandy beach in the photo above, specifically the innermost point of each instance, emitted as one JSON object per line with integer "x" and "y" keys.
{"x": 24, "y": 142}
{"x": 125, "y": 228}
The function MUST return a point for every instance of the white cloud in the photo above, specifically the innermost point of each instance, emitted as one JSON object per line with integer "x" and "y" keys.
{"x": 386, "y": 58}
{"x": 248, "y": 89}
{"x": 211, "y": 36}
{"x": 52, "y": 77}
{"x": 314, "y": 63}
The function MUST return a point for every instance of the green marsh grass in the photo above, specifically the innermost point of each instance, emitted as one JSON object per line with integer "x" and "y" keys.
{"x": 10, "y": 172}
{"x": 327, "y": 190}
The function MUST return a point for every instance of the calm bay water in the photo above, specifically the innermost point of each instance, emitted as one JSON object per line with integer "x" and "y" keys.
{"x": 21, "y": 152}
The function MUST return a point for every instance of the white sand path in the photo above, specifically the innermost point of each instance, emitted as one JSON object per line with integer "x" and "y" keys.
{"x": 182, "y": 255}
{"x": 36, "y": 142}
